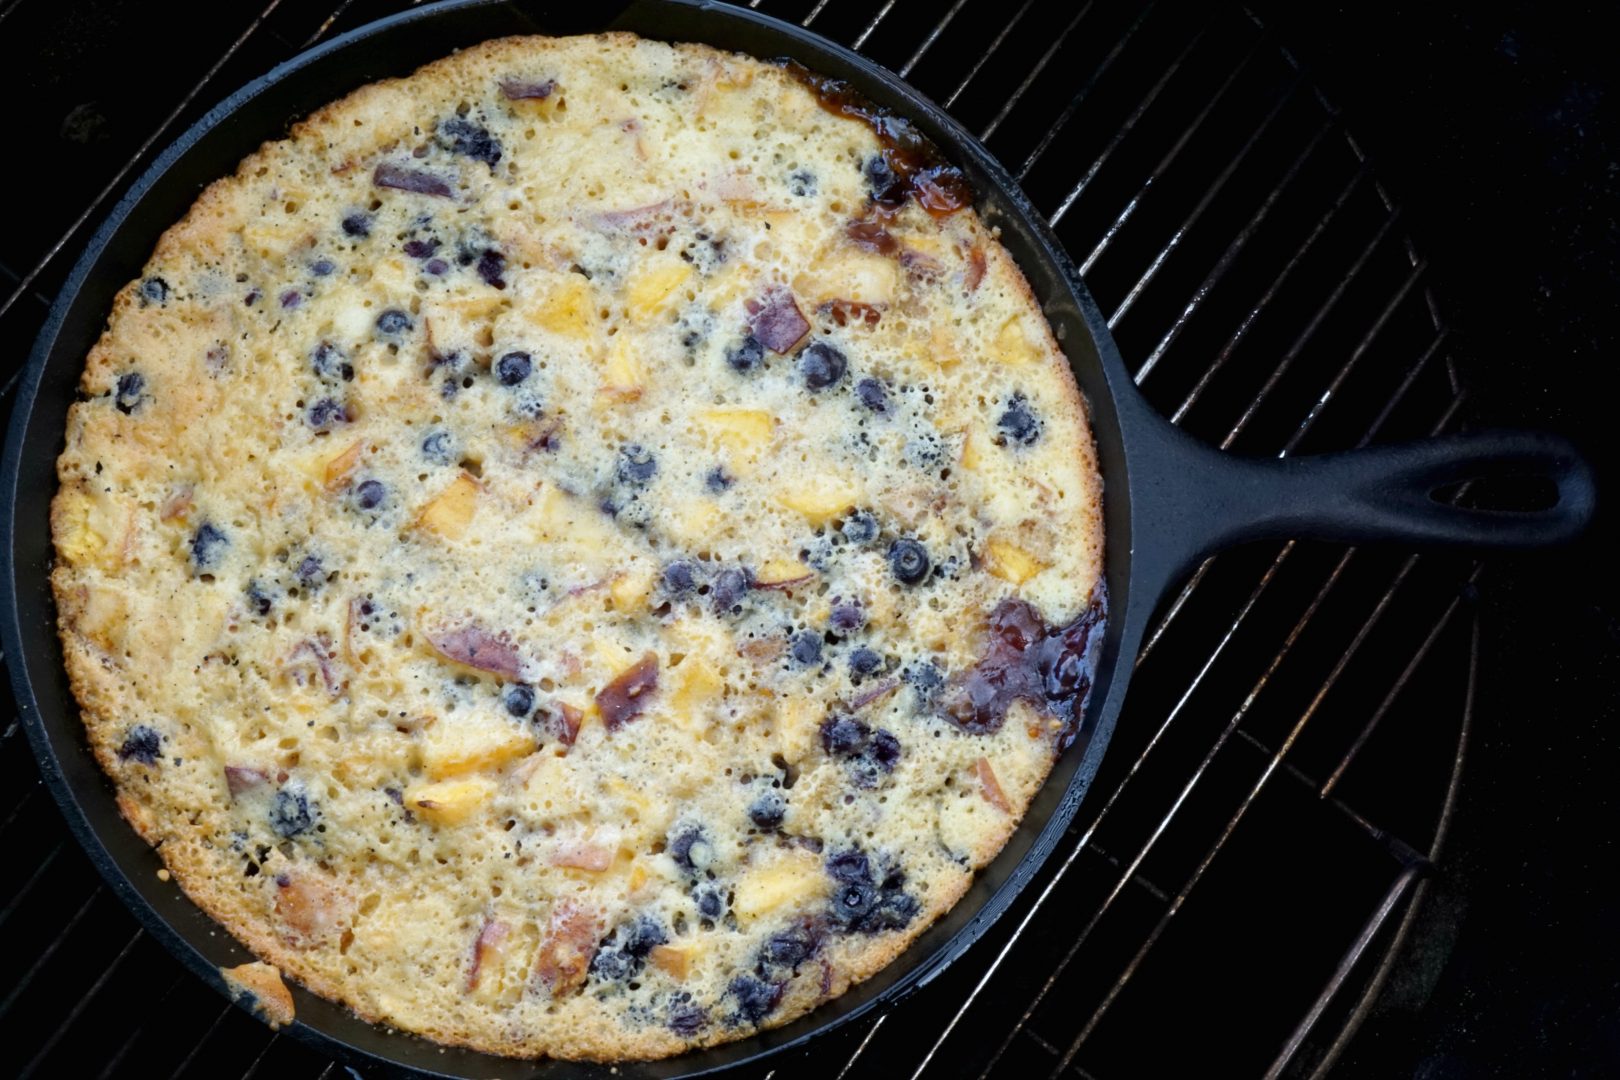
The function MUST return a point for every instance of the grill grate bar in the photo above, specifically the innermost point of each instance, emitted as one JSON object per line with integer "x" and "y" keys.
{"x": 1169, "y": 158}
{"x": 882, "y": 13}
{"x": 83, "y": 1003}
{"x": 17, "y": 810}
{"x": 191, "y": 1055}
{"x": 861, "y": 1049}
{"x": 326, "y": 24}
{"x": 1082, "y": 93}
{"x": 253, "y": 1069}
{"x": 1258, "y": 786}
{"x": 1305, "y": 335}
{"x": 50, "y": 951}
{"x": 111, "y": 1069}
{"x": 1128, "y": 125}
{"x": 1035, "y": 72}
{"x": 815, "y": 12}
{"x": 1254, "y": 313}
{"x": 1341, "y": 974}
{"x": 995, "y": 44}
{"x": 27, "y": 886}
{"x": 1215, "y": 187}
{"x": 933, "y": 36}
{"x": 1228, "y": 257}
{"x": 140, "y": 153}
{"x": 1175, "y": 806}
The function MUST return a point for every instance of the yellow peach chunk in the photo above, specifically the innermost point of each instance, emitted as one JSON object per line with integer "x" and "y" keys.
{"x": 700, "y": 684}
{"x": 631, "y": 589}
{"x": 450, "y": 511}
{"x": 742, "y": 431}
{"x": 567, "y": 309}
{"x": 450, "y": 802}
{"x": 674, "y": 960}
{"x": 972, "y": 457}
{"x": 339, "y": 466}
{"x": 781, "y": 571}
{"x": 1010, "y": 562}
{"x": 820, "y": 498}
{"x": 791, "y": 879}
{"x": 624, "y": 377}
{"x": 1013, "y": 345}
{"x": 466, "y": 743}
{"x": 650, "y": 289}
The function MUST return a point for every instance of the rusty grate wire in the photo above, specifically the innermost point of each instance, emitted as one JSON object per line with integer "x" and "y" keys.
{"x": 1298, "y": 717}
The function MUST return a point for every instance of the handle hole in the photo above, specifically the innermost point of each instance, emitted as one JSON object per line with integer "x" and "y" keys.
{"x": 1512, "y": 493}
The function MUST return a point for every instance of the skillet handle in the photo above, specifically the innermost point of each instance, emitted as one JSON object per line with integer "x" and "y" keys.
{"x": 1375, "y": 494}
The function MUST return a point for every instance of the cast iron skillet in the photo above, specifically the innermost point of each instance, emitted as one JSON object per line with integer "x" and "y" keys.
{"x": 1168, "y": 500}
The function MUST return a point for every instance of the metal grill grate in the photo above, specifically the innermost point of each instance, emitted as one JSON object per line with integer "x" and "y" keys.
{"x": 1252, "y": 853}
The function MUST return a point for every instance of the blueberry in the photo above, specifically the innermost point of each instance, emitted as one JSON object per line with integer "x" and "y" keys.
{"x": 691, "y": 850}
{"x": 847, "y": 617}
{"x": 327, "y": 413}
{"x": 853, "y": 901}
{"x": 864, "y": 661}
{"x": 879, "y": 175}
{"x": 850, "y": 867}
{"x": 767, "y": 811}
{"x": 513, "y": 368}
{"x": 686, "y": 1020}
{"x": 394, "y": 321}
{"x": 259, "y": 599}
{"x": 680, "y": 578}
{"x": 142, "y": 744}
{"x": 884, "y": 750}
{"x": 908, "y": 559}
{"x": 790, "y": 948}
{"x": 291, "y": 299}
{"x": 843, "y": 736}
{"x": 926, "y": 680}
{"x": 710, "y": 904}
{"x": 322, "y": 267}
{"x": 805, "y": 648}
{"x": 311, "y": 574}
{"x": 292, "y": 814}
{"x": 438, "y": 447}
{"x": 420, "y": 249}
{"x": 1018, "y": 423}
{"x": 470, "y": 140}
{"x": 747, "y": 355}
{"x": 756, "y": 998}
{"x": 357, "y": 225}
{"x": 624, "y": 952}
{"x": 491, "y": 265}
{"x": 612, "y": 965}
{"x": 370, "y": 494}
{"x": 127, "y": 398}
{"x": 637, "y": 465}
{"x": 520, "y": 701}
{"x": 206, "y": 543}
{"x": 894, "y": 912}
{"x": 326, "y": 360}
{"x": 729, "y": 588}
{"x": 436, "y": 267}
{"x": 860, "y": 527}
{"x": 717, "y": 480}
{"x": 802, "y": 183}
{"x": 154, "y": 290}
{"x": 821, "y": 365}
{"x": 872, "y": 394}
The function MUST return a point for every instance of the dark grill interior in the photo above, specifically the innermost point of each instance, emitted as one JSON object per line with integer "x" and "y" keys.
{"x": 1243, "y": 872}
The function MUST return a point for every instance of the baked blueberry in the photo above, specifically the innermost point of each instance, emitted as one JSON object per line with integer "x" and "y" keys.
{"x": 805, "y": 648}
{"x": 327, "y": 413}
{"x": 860, "y": 527}
{"x": 206, "y": 545}
{"x": 710, "y": 904}
{"x": 686, "y": 1019}
{"x": 438, "y": 447}
{"x": 513, "y": 368}
{"x": 418, "y": 248}
{"x": 142, "y": 744}
{"x": 258, "y": 599}
{"x": 746, "y": 355}
{"x": 791, "y": 947}
{"x": 519, "y": 701}
{"x": 847, "y": 616}
{"x": 292, "y": 814}
{"x": 131, "y": 388}
{"x": 691, "y": 850}
{"x": 729, "y": 588}
{"x": 908, "y": 560}
{"x": 462, "y": 136}
{"x": 843, "y": 736}
{"x": 370, "y": 494}
{"x": 864, "y": 662}
{"x": 394, "y": 321}
{"x": 872, "y": 395}
{"x": 821, "y": 365}
{"x": 322, "y": 267}
{"x": 154, "y": 290}
{"x": 717, "y": 480}
{"x": 1018, "y": 423}
{"x": 311, "y": 573}
{"x": 491, "y": 265}
{"x": 680, "y": 578}
{"x": 767, "y": 811}
{"x": 637, "y": 465}
{"x": 756, "y": 998}
{"x": 357, "y": 225}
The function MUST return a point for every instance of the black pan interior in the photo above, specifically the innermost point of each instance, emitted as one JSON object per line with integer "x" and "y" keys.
{"x": 262, "y": 111}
